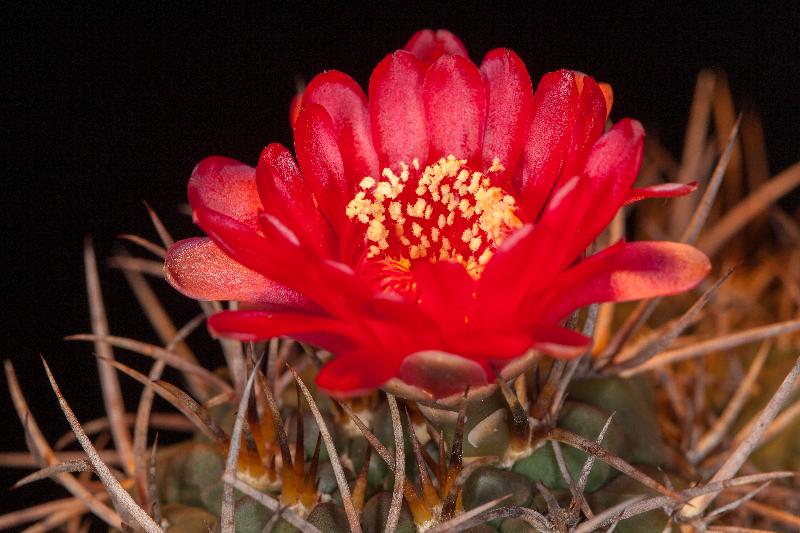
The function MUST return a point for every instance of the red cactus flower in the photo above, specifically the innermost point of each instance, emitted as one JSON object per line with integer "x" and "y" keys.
{"x": 442, "y": 218}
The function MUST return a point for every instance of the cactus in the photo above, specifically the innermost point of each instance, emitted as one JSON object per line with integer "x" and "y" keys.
{"x": 646, "y": 429}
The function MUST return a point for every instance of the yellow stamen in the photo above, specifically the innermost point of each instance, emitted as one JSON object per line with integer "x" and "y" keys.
{"x": 451, "y": 213}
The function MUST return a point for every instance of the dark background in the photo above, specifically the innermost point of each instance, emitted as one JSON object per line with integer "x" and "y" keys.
{"x": 106, "y": 106}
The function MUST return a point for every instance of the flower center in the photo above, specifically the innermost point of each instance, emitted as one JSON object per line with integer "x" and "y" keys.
{"x": 446, "y": 212}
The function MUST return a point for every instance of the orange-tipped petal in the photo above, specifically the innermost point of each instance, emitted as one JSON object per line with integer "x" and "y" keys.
{"x": 284, "y": 193}
{"x": 589, "y": 126}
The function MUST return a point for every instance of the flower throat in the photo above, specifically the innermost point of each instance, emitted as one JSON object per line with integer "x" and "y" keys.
{"x": 446, "y": 212}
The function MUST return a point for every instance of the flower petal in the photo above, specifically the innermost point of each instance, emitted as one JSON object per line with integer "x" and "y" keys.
{"x": 662, "y": 190}
{"x": 346, "y": 104}
{"x": 484, "y": 345}
{"x": 294, "y": 108}
{"x": 333, "y": 282}
{"x": 400, "y": 319}
{"x": 571, "y": 202}
{"x": 321, "y": 163}
{"x": 589, "y": 126}
{"x": 608, "y": 95}
{"x": 555, "y": 108}
{"x": 442, "y": 373}
{"x": 509, "y": 96}
{"x": 243, "y": 244}
{"x": 558, "y": 342}
{"x": 614, "y": 160}
{"x": 200, "y": 270}
{"x": 396, "y": 109}
{"x": 245, "y": 326}
{"x": 284, "y": 193}
{"x": 226, "y": 186}
{"x": 455, "y": 108}
{"x": 511, "y": 262}
{"x": 353, "y": 373}
{"x": 631, "y": 271}
{"x": 445, "y": 293}
{"x": 278, "y": 256}
{"x": 428, "y": 45}
{"x": 611, "y": 168}
{"x": 531, "y": 257}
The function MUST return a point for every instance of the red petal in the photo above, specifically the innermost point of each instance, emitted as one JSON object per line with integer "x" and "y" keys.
{"x": 226, "y": 186}
{"x": 442, "y": 373}
{"x": 346, "y": 104}
{"x": 509, "y": 97}
{"x": 428, "y": 45}
{"x": 569, "y": 204}
{"x": 545, "y": 245}
{"x": 611, "y": 168}
{"x": 608, "y": 95}
{"x": 589, "y": 126}
{"x": 615, "y": 158}
{"x": 511, "y": 262}
{"x": 324, "y": 332}
{"x": 356, "y": 372}
{"x": 632, "y": 271}
{"x": 243, "y": 244}
{"x": 400, "y": 319}
{"x": 445, "y": 293}
{"x": 455, "y": 108}
{"x": 200, "y": 270}
{"x": 294, "y": 108}
{"x": 321, "y": 163}
{"x": 284, "y": 193}
{"x": 662, "y": 190}
{"x": 482, "y": 346}
{"x": 555, "y": 108}
{"x": 397, "y": 112}
{"x": 558, "y": 342}
{"x": 278, "y": 256}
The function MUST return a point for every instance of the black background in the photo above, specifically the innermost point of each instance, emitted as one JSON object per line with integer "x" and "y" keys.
{"x": 108, "y": 105}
